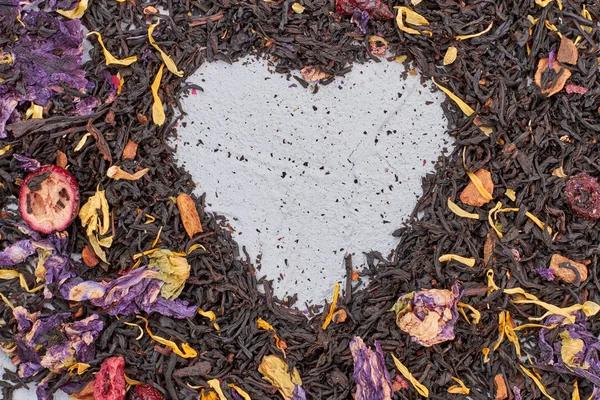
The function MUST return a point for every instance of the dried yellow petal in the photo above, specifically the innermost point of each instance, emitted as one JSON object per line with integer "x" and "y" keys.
{"x": 141, "y": 335}
{"x": 185, "y": 352}
{"x": 490, "y": 281}
{"x": 402, "y": 58}
{"x": 239, "y": 391}
{"x": 459, "y": 211}
{"x": 543, "y": 3}
{"x": 34, "y": 112}
{"x": 529, "y": 326}
{"x": 298, "y": 8}
{"x": 510, "y": 194}
{"x": 131, "y": 382}
{"x": 166, "y": 59}
{"x": 461, "y": 388}
{"x": 121, "y": 82}
{"x": 454, "y": 257}
{"x": 5, "y": 149}
{"x": 479, "y": 185}
{"x": 537, "y": 382}
{"x": 81, "y": 142}
{"x": 110, "y": 59}
{"x": 5, "y": 300}
{"x": 486, "y": 354}
{"x": 570, "y": 348}
{"x": 8, "y": 274}
{"x": 216, "y": 386}
{"x": 158, "y": 111}
{"x": 173, "y": 270}
{"x": 117, "y": 173}
{"x": 486, "y": 30}
{"x": 412, "y": 18}
{"x": 506, "y": 328}
{"x": 475, "y": 314}
{"x": 559, "y": 172}
{"x": 491, "y": 215}
{"x": 468, "y": 111}
{"x": 336, "y": 290}
{"x": 450, "y": 55}
{"x": 80, "y": 367}
{"x": 575, "y": 395}
{"x": 275, "y": 371}
{"x": 264, "y": 325}
{"x": 211, "y": 316}
{"x": 77, "y": 12}
{"x": 421, "y": 389}
{"x": 95, "y": 224}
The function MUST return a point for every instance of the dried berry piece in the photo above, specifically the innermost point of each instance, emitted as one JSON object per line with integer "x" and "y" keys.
{"x": 144, "y": 392}
{"x": 376, "y": 9}
{"x": 583, "y": 196}
{"x": 49, "y": 199}
{"x": 110, "y": 380}
{"x": 564, "y": 269}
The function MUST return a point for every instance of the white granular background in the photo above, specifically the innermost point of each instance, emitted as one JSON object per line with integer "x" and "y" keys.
{"x": 306, "y": 178}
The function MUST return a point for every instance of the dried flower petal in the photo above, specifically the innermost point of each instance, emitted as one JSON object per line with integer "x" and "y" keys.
{"x": 479, "y": 191}
{"x": 537, "y": 382}
{"x": 312, "y": 74}
{"x": 239, "y": 391}
{"x": 77, "y": 12}
{"x": 566, "y": 273}
{"x": 95, "y": 217}
{"x": 450, "y": 55}
{"x": 412, "y": 18}
{"x": 421, "y": 389}
{"x": 461, "y": 388}
{"x": 275, "y": 371}
{"x": 473, "y": 35}
{"x": 510, "y": 194}
{"x": 158, "y": 110}
{"x": 185, "y": 352}
{"x": 116, "y": 173}
{"x": 470, "y": 262}
{"x": 459, "y": 211}
{"x": 173, "y": 270}
{"x": 336, "y": 290}
{"x": 371, "y": 377}
{"x": 298, "y": 8}
{"x": 110, "y": 59}
{"x": 165, "y": 57}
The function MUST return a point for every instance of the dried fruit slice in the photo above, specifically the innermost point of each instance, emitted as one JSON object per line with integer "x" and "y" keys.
{"x": 144, "y": 392}
{"x": 110, "y": 380}
{"x": 563, "y": 269}
{"x": 583, "y": 196}
{"x": 49, "y": 199}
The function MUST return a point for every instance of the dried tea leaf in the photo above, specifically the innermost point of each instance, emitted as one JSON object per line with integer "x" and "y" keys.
{"x": 89, "y": 257}
{"x": 336, "y": 291}
{"x": 488, "y": 250}
{"x": 473, "y": 35}
{"x": 130, "y": 150}
{"x": 556, "y": 85}
{"x": 567, "y": 274}
{"x": 101, "y": 143}
{"x": 116, "y": 173}
{"x": 567, "y": 52}
{"x": 158, "y": 111}
{"x": 185, "y": 352}
{"x": 166, "y": 59}
{"x": 459, "y": 211}
{"x": 110, "y": 59}
{"x": 453, "y": 257}
{"x": 412, "y": 18}
{"x": 465, "y": 108}
{"x": 61, "y": 159}
{"x": 189, "y": 215}
{"x": 478, "y": 192}
{"x": 77, "y": 12}
{"x": 298, "y": 8}
{"x": 450, "y": 55}
{"x": 537, "y": 382}
{"x": 461, "y": 388}
{"x": 422, "y": 390}
{"x": 501, "y": 389}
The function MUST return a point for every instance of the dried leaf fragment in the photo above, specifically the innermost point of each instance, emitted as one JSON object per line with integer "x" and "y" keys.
{"x": 479, "y": 191}
{"x": 565, "y": 273}
{"x": 488, "y": 250}
{"x": 89, "y": 257}
{"x": 450, "y": 55}
{"x": 567, "y": 52}
{"x": 501, "y": 389}
{"x": 556, "y": 84}
{"x": 130, "y": 150}
{"x": 189, "y": 215}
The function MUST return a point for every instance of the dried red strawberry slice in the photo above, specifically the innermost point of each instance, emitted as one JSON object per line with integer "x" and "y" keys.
{"x": 110, "y": 380}
{"x": 49, "y": 199}
{"x": 583, "y": 196}
{"x": 144, "y": 392}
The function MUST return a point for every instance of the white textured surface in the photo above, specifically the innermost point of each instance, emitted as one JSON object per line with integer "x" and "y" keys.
{"x": 303, "y": 178}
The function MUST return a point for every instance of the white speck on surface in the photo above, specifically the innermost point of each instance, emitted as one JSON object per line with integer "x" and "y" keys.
{"x": 306, "y": 178}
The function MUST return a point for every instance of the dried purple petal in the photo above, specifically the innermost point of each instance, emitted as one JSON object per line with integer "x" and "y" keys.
{"x": 583, "y": 196}
{"x": 28, "y": 359}
{"x": 86, "y": 106}
{"x": 371, "y": 377}
{"x": 58, "y": 357}
{"x": 83, "y": 334}
{"x": 545, "y": 273}
{"x": 16, "y": 253}
{"x": 361, "y": 19}
{"x": 26, "y": 163}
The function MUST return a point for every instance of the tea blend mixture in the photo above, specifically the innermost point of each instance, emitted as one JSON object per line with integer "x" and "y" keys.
{"x": 115, "y": 283}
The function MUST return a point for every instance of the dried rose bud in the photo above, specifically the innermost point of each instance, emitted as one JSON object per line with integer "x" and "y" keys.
{"x": 583, "y": 196}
